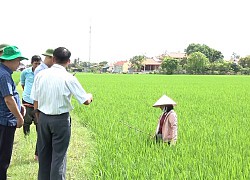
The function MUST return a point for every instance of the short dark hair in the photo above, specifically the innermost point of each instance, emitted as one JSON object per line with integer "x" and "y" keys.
{"x": 36, "y": 58}
{"x": 61, "y": 55}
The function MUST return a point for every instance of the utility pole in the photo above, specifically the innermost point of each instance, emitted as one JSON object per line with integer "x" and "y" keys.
{"x": 89, "y": 43}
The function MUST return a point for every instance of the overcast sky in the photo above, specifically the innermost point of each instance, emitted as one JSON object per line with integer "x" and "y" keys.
{"x": 121, "y": 29}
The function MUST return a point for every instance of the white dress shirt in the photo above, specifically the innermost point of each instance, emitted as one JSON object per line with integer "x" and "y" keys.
{"x": 53, "y": 89}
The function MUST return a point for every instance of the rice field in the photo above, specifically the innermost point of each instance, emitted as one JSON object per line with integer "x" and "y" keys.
{"x": 213, "y": 126}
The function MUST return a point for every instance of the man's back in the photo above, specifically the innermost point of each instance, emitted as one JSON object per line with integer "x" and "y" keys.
{"x": 54, "y": 96}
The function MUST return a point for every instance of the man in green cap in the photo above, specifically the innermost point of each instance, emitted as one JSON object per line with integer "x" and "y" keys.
{"x": 2, "y": 46}
{"x": 47, "y": 63}
{"x": 11, "y": 111}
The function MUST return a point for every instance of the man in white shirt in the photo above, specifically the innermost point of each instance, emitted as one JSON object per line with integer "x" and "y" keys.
{"x": 52, "y": 91}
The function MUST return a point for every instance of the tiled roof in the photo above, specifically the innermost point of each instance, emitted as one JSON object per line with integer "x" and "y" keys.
{"x": 151, "y": 62}
{"x": 120, "y": 63}
{"x": 177, "y": 55}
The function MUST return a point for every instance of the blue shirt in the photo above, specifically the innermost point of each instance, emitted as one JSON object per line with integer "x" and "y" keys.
{"x": 39, "y": 68}
{"x": 27, "y": 79}
{"x": 7, "y": 87}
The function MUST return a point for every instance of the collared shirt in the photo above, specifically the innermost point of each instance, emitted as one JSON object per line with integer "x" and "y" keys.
{"x": 53, "y": 88}
{"x": 39, "y": 68}
{"x": 27, "y": 79}
{"x": 7, "y": 87}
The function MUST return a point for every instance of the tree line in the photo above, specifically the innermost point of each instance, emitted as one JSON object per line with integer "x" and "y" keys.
{"x": 199, "y": 59}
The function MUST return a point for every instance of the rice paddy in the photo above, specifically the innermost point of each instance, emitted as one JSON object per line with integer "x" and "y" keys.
{"x": 213, "y": 127}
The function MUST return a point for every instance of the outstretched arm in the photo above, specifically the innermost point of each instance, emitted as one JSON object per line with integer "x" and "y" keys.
{"x": 173, "y": 127}
{"x": 89, "y": 100}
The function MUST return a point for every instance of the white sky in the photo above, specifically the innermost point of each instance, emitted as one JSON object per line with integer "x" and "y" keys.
{"x": 122, "y": 29}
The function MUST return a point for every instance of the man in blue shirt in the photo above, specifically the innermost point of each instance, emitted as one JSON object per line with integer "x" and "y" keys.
{"x": 26, "y": 80}
{"x": 47, "y": 63}
{"x": 11, "y": 111}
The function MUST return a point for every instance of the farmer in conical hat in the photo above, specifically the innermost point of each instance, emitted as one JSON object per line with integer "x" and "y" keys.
{"x": 167, "y": 125}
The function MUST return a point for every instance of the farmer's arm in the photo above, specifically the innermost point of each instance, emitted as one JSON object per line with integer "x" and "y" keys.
{"x": 173, "y": 123}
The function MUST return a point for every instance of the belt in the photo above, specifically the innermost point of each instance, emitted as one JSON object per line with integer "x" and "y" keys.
{"x": 28, "y": 105}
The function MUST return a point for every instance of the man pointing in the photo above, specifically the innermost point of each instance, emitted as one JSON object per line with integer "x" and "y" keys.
{"x": 52, "y": 91}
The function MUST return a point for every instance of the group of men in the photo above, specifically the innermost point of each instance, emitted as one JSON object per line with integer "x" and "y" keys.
{"x": 47, "y": 91}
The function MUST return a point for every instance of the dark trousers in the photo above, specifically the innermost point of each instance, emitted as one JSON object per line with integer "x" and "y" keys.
{"x": 53, "y": 141}
{"x": 6, "y": 145}
{"x": 28, "y": 119}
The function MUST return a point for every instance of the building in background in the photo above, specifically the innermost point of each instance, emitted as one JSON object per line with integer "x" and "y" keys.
{"x": 151, "y": 65}
{"x": 121, "y": 67}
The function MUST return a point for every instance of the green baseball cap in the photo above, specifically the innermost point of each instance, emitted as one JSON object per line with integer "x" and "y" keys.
{"x": 49, "y": 52}
{"x": 11, "y": 53}
{"x": 2, "y": 46}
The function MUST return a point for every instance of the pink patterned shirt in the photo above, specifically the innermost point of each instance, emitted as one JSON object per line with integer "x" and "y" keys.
{"x": 169, "y": 126}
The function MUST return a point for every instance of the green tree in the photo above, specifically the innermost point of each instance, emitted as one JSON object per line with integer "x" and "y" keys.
{"x": 136, "y": 62}
{"x": 94, "y": 67}
{"x": 197, "y": 63}
{"x": 224, "y": 67}
{"x": 85, "y": 64}
{"x": 169, "y": 65}
{"x": 103, "y": 63}
{"x": 76, "y": 62}
{"x": 245, "y": 71}
{"x": 215, "y": 56}
{"x": 236, "y": 67}
{"x": 245, "y": 62}
{"x": 212, "y": 54}
{"x": 183, "y": 61}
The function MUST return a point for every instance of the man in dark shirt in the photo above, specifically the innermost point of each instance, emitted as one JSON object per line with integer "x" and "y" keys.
{"x": 11, "y": 111}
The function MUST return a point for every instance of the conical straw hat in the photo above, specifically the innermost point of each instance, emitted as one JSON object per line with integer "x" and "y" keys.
{"x": 164, "y": 100}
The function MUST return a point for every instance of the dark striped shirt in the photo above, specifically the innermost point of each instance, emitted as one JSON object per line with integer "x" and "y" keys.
{"x": 7, "y": 87}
